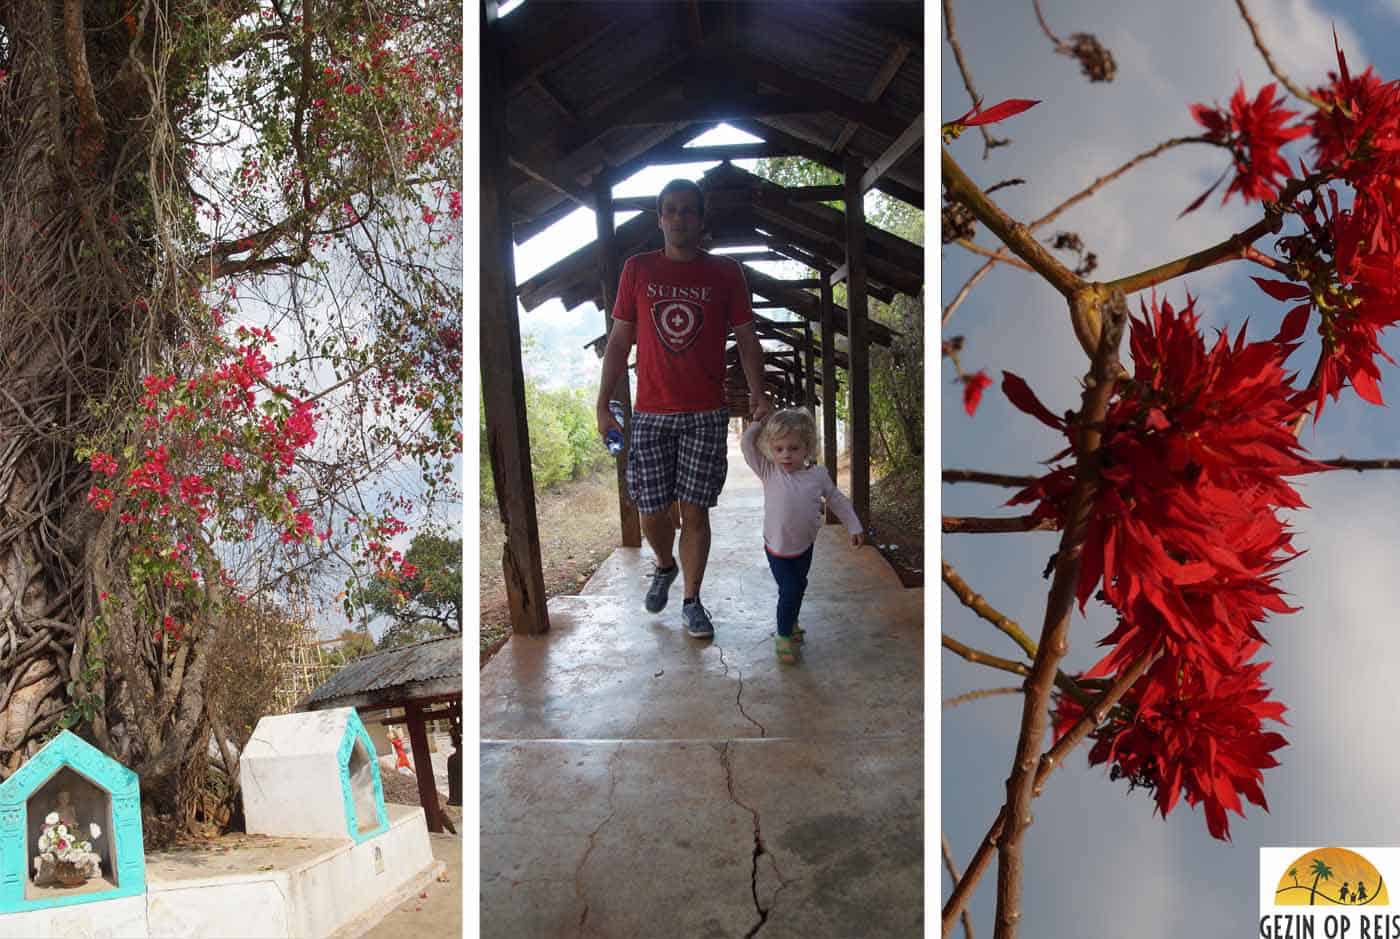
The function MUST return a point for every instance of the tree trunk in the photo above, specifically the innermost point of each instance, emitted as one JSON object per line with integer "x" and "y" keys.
{"x": 80, "y": 283}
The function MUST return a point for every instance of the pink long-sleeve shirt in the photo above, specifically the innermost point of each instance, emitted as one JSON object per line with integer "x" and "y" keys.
{"x": 792, "y": 502}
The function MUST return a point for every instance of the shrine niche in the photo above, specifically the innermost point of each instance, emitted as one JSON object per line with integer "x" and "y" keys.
{"x": 70, "y": 829}
{"x": 313, "y": 773}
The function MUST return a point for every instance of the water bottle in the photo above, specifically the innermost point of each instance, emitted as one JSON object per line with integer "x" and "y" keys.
{"x": 614, "y": 436}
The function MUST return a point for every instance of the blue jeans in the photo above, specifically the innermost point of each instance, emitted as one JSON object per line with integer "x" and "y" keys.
{"x": 791, "y": 575}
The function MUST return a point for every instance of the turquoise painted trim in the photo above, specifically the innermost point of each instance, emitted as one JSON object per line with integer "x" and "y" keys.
{"x": 355, "y": 730}
{"x": 68, "y": 749}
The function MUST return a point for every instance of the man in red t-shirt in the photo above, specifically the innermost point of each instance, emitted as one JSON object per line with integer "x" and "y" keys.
{"x": 678, "y": 305}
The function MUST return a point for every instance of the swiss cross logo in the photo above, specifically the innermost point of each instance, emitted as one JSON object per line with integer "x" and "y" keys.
{"x": 677, "y": 322}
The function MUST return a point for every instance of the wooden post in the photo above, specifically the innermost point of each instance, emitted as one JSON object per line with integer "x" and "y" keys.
{"x": 859, "y": 371}
{"x": 503, "y": 383}
{"x": 423, "y": 769}
{"x": 828, "y": 384}
{"x": 809, "y": 397}
{"x": 630, "y": 521}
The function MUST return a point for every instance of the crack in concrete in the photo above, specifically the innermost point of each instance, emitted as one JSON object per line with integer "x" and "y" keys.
{"x": 739, "y": 698}
{"x": 612, "y": 810}
{"x": 758, "y": 847}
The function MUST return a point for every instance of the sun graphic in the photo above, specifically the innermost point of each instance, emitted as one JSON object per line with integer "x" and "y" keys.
{"x": 1331, "y": 877}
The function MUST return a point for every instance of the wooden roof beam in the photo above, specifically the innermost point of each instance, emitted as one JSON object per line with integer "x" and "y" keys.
{"x": 719, "y": 108}
{"x": 525, "y": 230}
{"x": 888, "y": 274}
{"x": 812, "y": 249}
{"x": 819, "y": 154}
{"x": 528, "y": 49}
{"x": 877, "y": 88}
{"x": 818, "y": 95}
{"x": 913, "y": 135}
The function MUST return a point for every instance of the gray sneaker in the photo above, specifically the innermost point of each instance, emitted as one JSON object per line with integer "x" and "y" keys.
{"x": 697, "y": 621}
{"x": 660, "y": 587}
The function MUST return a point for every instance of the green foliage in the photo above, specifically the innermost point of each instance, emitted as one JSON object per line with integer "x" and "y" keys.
{"x": 564, "y": 441}
{"x": 896, "y": 217}
{"x": 354, "y": 643}
{"x": 425, "y": 597}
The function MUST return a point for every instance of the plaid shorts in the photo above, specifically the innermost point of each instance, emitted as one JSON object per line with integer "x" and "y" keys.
{"x": 677, "y": 456}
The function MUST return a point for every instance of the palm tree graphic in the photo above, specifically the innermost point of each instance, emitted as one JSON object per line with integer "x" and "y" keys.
{"x": 1320, "y": 872}
{"x": 1293, "y": 872}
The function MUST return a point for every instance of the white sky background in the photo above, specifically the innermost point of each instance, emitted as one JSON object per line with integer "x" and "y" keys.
{"x": 1098, "y": 861}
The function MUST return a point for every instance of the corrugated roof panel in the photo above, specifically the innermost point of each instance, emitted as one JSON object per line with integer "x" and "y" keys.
{"x": 421, "y": 661}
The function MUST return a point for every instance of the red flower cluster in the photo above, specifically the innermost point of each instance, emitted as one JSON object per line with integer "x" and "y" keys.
{"x": 1192, "y": 731}
{"x": 1347, "y": 260}
{"x": 1183, "y": 533}
{"x": 1254, "y": 132}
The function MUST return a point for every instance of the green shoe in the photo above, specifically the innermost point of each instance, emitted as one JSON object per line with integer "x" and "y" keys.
{"x": 786, "y": 649}
{"x": 798, "y": 633}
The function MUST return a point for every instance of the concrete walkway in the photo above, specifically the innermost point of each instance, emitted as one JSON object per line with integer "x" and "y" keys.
{"x": 636, "y": 782}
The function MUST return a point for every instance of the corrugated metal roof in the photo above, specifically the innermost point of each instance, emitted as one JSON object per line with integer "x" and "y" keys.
{"x": 406, "y": 665}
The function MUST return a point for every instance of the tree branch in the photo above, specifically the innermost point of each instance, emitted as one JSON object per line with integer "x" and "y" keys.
{"x": 1064, "y": 206}
{"x": 962, "y": 891}
{"x": 990, "y": 479}
{"x": 950, "y": 30}
{"x": 1269, "y": 60}
{"x": 92, "y": 129}
{"x": 971, "y": 525}
{"x": 953, "y": 873}
{"x": 1045, "y": 27}
{"x": 1013, "y": 234}
{"x": 978, "y": 604}
{"x": 978, "y": 657}
{"x": 1342, "y": 462}
{"x": 950, "y": 703}
{"x": 995, "y": 255}
{"x": 1233, "y": 248}
{"x": 1054, "y": 639}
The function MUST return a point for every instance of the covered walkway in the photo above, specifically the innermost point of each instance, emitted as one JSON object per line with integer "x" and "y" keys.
{"x": 637, "y": 782}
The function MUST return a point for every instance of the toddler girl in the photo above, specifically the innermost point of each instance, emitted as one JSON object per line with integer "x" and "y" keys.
{"x": 779, "y": 450}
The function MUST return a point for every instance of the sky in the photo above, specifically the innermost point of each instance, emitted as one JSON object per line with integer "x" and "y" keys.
{"x": 1097, "y": 859}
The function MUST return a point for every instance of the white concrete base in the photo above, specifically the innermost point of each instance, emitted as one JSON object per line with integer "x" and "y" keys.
{"x": 313, "y": 897}
{"x": 371, "y": 918}
{"x": 320, "y": 887}
{"x": 122, "y": 918}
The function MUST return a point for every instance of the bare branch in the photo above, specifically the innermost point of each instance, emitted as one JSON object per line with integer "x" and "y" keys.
{"x": 995, "y": 255}
{"x": 962, "y": 890}
{"x": 978, "y": 604}
{"x": 950, "y": 703}
{"x": 1284, "y": 80}
{"x": 989, "y": 142}
{"x": 953, "y": 873}
{"x": 1045, "y": 27}
{"x": 1054, "y": 638}
{"x": 990, "y": 479}
{"x": 972, "y": 525}
{"x": 1063, "y": 207}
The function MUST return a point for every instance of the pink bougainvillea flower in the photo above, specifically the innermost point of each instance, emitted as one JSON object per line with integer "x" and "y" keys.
{"x": 1254, "y": 132}
{"x": 973, "y": 386}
